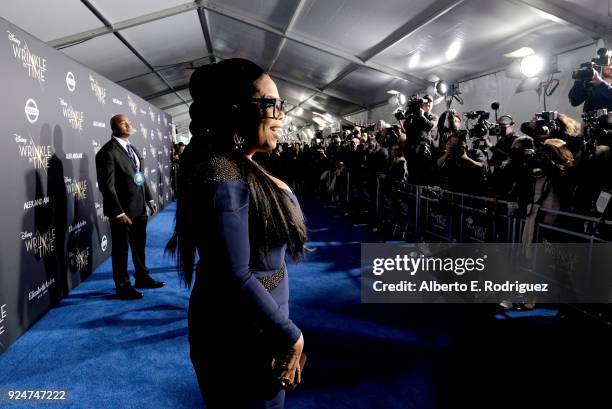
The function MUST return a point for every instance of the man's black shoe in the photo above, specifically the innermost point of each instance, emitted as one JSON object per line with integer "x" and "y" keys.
{"x": 128, "y": 293}
{"x": 148, "y": 282}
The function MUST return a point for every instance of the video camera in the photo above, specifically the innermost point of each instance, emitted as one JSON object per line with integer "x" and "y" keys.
{"x": 482, "y": 127}
{"x": 585, "y": 72}
{"x": 545, "y": 124}
{"x": 598, "y": 129}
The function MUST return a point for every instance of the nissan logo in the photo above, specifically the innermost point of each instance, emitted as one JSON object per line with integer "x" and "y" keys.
{"x": 31, "y": 110}
{"x": 70, "y": 81}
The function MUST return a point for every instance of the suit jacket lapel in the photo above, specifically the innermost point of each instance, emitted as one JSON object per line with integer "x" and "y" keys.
{"x": 127, "y": 156}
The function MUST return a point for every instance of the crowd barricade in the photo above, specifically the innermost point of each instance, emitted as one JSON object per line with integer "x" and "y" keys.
{"x": 425, "y": 213}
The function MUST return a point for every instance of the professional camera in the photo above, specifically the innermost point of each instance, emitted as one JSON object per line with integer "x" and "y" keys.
{"x": 461, "y": 147}
{"x": 585, "y": 72}
{"x": 597, "y": 130}
{"x": 545, "y": 124}
{"x": 480, "y": 129}
{"x": 399, "y": 114}
{"x": 414, "y": 106}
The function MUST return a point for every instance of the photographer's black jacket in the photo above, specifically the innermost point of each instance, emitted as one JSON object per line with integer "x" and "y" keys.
{"x": 594, "y": 96}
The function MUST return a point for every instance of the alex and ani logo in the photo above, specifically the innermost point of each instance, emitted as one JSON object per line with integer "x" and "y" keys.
{"x": 79, "y": 259}
{"x": 104, "y": 243}
{"x": 40, "y": 244}
{"x": 34, "y": 64}
{"x": 31, "y": 110}
{"x": 70, "y": 81}
{"x": 75, "y": 118}
{"x": 77, "y": 188}
{"x": 132, "y": 105}
{"x": 37, "y": 155}
{"x": 99, "y": 91}
{"x": 30, "y": 204}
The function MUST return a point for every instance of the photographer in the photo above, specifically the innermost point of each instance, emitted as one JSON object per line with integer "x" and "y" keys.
{"x": 505, "y": 139}
{"x": 419, "y": 120}
{"x": 448, "y": 123}
{"x": 461, "y": 169}
{"x": 593, "y": 83}
{"x": 551, "y": 124}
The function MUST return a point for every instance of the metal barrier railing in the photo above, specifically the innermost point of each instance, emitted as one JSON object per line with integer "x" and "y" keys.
{"x": 418, "y": 212}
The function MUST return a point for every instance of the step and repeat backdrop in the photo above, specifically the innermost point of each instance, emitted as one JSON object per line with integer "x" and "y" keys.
{"x": 54, "y": 118}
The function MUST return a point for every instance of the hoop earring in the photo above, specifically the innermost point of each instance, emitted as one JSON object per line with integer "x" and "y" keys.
{"x": 238, "y": 142}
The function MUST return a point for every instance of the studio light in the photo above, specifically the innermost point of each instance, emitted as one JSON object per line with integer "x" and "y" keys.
{"x": 441, "y": 87}
{"x": 532, "y": 65}
{"x": 414, "y": 60}
{"x": 453, "y": 50}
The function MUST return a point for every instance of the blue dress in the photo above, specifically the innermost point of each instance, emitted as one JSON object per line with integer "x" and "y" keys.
{"x": 239, "y": 306}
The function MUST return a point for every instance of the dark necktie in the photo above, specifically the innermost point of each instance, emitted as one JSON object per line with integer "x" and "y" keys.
{"x": 131, "y": 152}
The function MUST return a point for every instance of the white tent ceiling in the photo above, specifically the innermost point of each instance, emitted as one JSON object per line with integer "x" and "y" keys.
{"x": 333, "y": 56}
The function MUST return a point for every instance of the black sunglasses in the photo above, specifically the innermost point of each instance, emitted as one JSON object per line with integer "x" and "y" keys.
{"x": 277, "y": 103}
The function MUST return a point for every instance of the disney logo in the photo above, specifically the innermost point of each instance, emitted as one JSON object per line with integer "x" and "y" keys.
{"x": 19, "y": 139}
{"x": 12, "y": 38}
{"x": 26, "y": 235}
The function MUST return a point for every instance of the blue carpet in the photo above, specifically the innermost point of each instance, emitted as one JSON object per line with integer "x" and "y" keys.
{"x": 110, "y": 353}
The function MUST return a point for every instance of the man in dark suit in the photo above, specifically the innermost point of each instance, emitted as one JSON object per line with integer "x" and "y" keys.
{"x": 126, "y": 197}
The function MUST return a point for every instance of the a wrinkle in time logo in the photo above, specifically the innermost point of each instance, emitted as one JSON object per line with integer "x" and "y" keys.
{"x": 132, "y": 105}
{"x": 165, "y": 121}
{"x": 159, "y": 134}
{"x": 37, "y": 155}
{"x": 39, "y": 244}
{"x": 166, "y": 151}
{"x": 143, "y": 131}
{"x": 76, "y": 188}
{"x": 152, "y": 150}
{"x": 79, "y": 258}
{"x": 74, "y": 117}
{"x": 98, "y": 90}
{"x": 31, "y": 111}
{"x": 166, "y": 180}
{"x": 3, "y": 317}
{"x": 151, "y": 115}
{"x": 144, "y": 153}
{"x": 35, "y": 65}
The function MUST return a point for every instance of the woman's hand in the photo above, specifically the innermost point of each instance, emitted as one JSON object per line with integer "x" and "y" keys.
{"x": 289, "y": 366}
